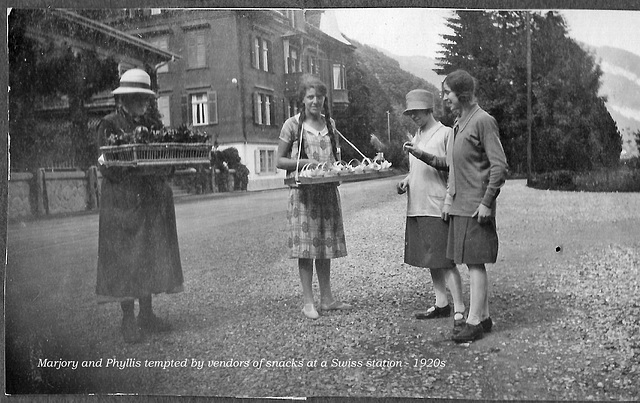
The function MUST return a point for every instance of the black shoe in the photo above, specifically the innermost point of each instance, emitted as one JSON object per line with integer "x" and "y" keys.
{"x": 435, "y": 312}
{"x": 469, "y": 333}
{"x": 130, "y": 330}
{"x": 458, "y": 324}
{"x": 153, "y": 324}
{"x": 487, "y": 324}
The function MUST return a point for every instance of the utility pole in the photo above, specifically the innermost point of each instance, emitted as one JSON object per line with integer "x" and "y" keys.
{"x": 388, "y": 128}
{"x": 529, "y": 113}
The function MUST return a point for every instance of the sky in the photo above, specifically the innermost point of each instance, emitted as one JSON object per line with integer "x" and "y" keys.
{"x": 417, "y": 31}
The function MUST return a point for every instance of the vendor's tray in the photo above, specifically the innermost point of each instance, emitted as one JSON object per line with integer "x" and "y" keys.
{"x": 156, "y": 154}
{"x": 346, "y": 177}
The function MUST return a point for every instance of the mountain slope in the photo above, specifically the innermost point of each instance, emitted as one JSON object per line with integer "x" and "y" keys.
{"x": 621, "y": 86}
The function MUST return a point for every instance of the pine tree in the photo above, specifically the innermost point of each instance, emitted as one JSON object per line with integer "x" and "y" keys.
{"x": 571, "y": 127}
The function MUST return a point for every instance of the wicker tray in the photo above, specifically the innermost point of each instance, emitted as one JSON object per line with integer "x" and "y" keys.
{"x": 155, "y": 154}
{"x": 350, "y": 177}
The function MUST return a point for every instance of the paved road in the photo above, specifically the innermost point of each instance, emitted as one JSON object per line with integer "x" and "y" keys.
{"x": 73, "y": 240}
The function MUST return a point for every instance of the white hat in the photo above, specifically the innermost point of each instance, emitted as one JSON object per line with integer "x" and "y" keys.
{"x": 134, "y": 81}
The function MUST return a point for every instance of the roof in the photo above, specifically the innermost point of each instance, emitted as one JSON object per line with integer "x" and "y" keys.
{"x": 98, "y": 34}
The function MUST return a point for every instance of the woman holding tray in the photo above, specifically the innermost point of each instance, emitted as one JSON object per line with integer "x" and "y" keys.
{"x": 138, "y": 253}
{"x": 426, "y": 187}
{"x": 314, "y": 212}
{"x": 477, "y": 169}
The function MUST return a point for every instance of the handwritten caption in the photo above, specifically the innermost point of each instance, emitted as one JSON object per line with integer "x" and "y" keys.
{"x": 434, "y": 363}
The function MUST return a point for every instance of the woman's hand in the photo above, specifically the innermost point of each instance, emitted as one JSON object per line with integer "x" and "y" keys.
{"x": 483, "y": 213}
{"x": 402, "y": 186}
{"x": 412, "y": 149}
{"x": 445, "y": 212}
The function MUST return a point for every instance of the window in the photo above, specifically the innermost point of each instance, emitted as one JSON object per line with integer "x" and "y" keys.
{"x": 200, "y": 108}
{"x": 263, "y": 109}
{"x": 196, "y": 50}
{"x": 293, "y": 63}
{"x": 164, "y": 109}
{"x": 162, "y": 43}
{"x": 292, "y": 108}
{"x": 265, "y": 161}
{"x": 312, "y": 65}
{"x": 261, "y": 54}
{"x": 339, "y": 80}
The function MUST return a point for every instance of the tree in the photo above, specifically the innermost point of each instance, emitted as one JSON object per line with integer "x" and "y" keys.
{"x": 49, "y": 69}
{"x": 571, "y": 127}
{"x": 377, "y": 84}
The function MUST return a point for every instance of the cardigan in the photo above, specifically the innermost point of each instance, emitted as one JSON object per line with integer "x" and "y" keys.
{"x": 477, "y": 164}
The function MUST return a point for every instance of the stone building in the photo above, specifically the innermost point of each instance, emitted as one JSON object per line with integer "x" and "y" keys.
{"x": 239, "y": 71}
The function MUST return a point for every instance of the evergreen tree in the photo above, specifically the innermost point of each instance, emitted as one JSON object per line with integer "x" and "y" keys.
{"x": 571, "y": 128}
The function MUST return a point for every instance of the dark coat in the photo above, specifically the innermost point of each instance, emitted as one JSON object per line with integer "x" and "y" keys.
{"x": 138, "y": 252}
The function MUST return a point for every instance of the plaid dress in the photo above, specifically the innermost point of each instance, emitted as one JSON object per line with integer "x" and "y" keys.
{"x": 314, "y": 212}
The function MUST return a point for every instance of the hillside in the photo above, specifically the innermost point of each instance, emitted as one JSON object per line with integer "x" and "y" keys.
{"x": 621, "y": 86}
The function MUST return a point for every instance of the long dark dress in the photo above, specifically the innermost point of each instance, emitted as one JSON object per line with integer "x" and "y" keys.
{"x": 138, "y": 252}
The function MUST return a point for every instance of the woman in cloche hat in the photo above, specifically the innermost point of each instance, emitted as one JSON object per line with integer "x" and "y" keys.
{"x": 426, "y": 187}
{"x": 138, "y": 253}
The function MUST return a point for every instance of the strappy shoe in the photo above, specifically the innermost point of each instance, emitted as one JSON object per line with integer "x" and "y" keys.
{"x": 435, "y": 312}
{"x": 310, "y": 311}
{"x": 458, "y": 322}
{"x": 336, "y": 306}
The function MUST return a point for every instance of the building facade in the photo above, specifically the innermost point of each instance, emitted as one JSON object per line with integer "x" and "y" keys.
{"x": 238, "y": 73}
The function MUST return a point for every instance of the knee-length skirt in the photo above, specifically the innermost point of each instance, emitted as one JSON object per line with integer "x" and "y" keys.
{"x": 316, "y": 230}
{"x": 471, "y": 242}
{"x": 425, "y": 242}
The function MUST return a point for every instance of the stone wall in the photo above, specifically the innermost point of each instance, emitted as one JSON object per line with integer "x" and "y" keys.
{"x": 43, "y": 193}
{"x": 18, "y": 196}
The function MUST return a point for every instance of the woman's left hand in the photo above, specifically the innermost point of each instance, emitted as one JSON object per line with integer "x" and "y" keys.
{"x": 483, "y": 213}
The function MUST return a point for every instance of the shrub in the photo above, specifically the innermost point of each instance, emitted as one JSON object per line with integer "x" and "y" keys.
{"x": 623, "y": 179}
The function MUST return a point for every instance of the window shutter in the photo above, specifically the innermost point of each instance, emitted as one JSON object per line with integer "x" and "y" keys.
{"x": 192, "y": 50}
{"x": 257, "y": 161}
{"x": 186, "y": 110}
{"x": 213, "y": 106}
{"x": 256, "y": 105}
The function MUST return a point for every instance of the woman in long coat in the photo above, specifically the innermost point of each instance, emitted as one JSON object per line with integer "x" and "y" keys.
{"x": 138, "y": 253}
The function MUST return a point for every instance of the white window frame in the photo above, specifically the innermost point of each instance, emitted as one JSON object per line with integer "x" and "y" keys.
{"x": 339, "y": 79}
{"x": 265, "y": 161}
{"x": 293, "y": 60}
{"x": 199, "y": 109}
{"x": 264, "y": 103}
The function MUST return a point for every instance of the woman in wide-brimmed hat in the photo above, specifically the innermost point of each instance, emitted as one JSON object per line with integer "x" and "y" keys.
{"x": 138, "y": 253}
{"x": 426, "y": 188}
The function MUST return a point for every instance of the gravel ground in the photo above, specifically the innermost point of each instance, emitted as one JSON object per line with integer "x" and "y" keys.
{"x": 564, "y": 298}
